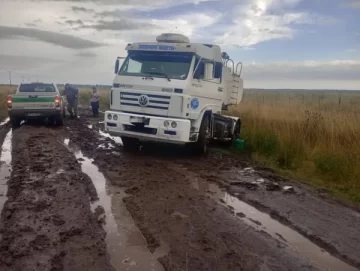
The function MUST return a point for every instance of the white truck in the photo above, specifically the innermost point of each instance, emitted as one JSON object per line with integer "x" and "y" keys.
{"x": 174, "y": 91}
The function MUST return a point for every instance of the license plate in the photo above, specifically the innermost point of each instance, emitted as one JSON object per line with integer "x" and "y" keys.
{"x": 34, "y": 114}
{"x": 137, "y": 119}
{"x": 142, "y": 120}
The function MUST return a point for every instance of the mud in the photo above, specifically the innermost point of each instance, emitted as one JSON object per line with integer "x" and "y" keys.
{"x": 330, "y": 225}
{"x": 5, "y": 160}
{"x": 264, "y": 222}
{"x": 46, "y": 222}
{"x": 200, "y": 234}
{"x": 329, "y": 228}
{"x": 125, "y": 243}
{"x": 76, "y": 201}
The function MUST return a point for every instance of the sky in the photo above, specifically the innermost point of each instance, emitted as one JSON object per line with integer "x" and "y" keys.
{"x": 307, "y": 44}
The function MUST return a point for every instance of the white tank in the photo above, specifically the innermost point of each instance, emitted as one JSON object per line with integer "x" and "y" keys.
{"x": 172, "y": 38}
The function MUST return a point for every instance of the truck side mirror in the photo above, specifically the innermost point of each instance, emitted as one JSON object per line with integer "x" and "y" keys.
{"x": 117, "y": 65}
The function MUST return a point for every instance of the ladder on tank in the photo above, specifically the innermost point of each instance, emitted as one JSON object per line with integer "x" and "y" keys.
{"x": 237, "y": 83}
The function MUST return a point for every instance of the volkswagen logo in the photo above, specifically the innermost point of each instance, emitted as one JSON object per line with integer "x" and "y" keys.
{"x": 143, "y": 100}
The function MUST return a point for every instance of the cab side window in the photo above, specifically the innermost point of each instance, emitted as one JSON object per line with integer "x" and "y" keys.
{"x": 208, "y": 70}
{"x": 200, "y": 69}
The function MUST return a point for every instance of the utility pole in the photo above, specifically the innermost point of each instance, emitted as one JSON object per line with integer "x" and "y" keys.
{"x": 10, "y": 78}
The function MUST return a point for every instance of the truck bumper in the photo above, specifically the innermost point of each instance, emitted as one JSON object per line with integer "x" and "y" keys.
{"x": 147, "y": 128}
{"x": 33, "y": 113}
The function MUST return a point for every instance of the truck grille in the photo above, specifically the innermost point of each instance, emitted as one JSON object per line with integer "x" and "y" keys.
{"x": 153, "y": 101}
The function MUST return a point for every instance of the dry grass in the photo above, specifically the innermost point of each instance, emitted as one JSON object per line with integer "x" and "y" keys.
{"x": 309, "y": 135}
{"x": 4, "y": 92}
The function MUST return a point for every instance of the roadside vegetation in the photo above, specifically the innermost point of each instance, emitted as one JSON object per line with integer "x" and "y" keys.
{"x": 4, "y": 92}
{"x": 313, "y": 136}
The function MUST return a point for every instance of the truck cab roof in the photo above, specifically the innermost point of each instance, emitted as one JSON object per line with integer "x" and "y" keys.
{"x": 169, "y": 42}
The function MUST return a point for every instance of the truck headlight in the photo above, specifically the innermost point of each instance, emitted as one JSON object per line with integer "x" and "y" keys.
{"x": 115, "y": 117}
{"x": 166, "y": 123}
{"x": 173, "y": 124}
{"x": 109, "y": 116}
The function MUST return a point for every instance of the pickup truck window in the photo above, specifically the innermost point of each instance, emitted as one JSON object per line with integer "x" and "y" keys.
{"x": 174, "y": 65}
{"x": 37, "y": 87}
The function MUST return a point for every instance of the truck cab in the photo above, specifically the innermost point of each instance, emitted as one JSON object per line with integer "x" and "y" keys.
{"x": 173, "y": 91}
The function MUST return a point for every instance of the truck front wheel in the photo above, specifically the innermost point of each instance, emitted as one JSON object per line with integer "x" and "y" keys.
{"x": 130, "y": 144}
{"x": 201, "y": 146}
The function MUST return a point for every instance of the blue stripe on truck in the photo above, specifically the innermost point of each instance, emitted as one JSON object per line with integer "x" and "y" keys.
{"x": 149, "y": 106}
{"x": 149, "y": 95}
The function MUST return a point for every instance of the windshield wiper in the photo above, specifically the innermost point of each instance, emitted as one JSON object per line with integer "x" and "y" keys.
{"x": 160, "y": 73}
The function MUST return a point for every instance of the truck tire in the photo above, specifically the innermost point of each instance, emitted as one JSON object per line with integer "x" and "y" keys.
{"x": 15, "y": 122}
{"x": 130, "y": 144}
{"x": 235, "y": 135}
{"x": 201, "y": 146}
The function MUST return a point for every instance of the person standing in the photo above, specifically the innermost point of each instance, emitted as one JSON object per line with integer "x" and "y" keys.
{"x": 95, "y": 102}
{"x": 72, "y": 94}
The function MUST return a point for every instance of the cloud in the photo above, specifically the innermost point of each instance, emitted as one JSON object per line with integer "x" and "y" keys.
{"x": 21, "y": 62}
{"x": 119, "y": 25}
{"x": 64, "y": 40}
{"x": 257, "y": 21}
{"x": 134, "y": 4}
{"x": 112, "y": 13}
{"x": 82, "y": 9}
{"x": 74, "y": 22}
{"x": 30, "y": 25}
{"x": 86, "y": 54}
{"x": 303, "y": 70}
{"x": 355, "y": 4}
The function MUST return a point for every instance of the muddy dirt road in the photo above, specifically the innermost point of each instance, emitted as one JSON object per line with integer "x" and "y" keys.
{"x": 75, "y": 201}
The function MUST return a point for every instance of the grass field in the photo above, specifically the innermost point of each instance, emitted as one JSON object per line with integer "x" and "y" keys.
{"x": 310, "y": 135}
{"x": 313, "y": 136}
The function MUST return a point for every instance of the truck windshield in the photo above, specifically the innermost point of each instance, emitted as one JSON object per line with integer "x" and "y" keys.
{"x": 37, "y": 87}
{"x": 171, "y": 65}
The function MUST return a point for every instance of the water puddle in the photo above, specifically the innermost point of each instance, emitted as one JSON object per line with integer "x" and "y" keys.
{"x": 106, "y": 146}
{"x": 263, "y": 222}
{"x": 5, "y": 121}
{"x": 5, "y": 168}
{"x": 125, "y": 243}
{"x": 117, "y": 139}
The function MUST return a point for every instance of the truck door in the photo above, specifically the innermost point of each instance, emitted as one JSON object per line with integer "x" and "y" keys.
{"x": 206, "y": 83}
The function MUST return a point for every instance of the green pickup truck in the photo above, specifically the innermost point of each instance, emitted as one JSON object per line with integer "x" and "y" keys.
{"x": 36, "y": 101}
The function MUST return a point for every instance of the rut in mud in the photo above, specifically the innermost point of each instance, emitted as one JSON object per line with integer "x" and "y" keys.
{"x": 5, "y": 160}
{"x": 46, "y": 222}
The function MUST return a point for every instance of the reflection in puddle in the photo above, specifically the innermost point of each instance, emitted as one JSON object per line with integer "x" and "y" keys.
{"x": 106, "y": 146}
{"x": 117, "y": 139}
{"x": 5, "y": 121}
{"x": 263, "y": 222}
{"x": 125, "y": 244}
{"x": 5, "y": 168}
